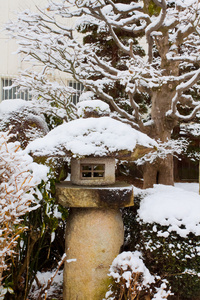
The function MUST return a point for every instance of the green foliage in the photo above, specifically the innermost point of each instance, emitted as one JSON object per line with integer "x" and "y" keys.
{"x": 53, "y": 121}
{"x": 173, "y": 257}
{"x": 153, "y": 9}
{"x": 167, "y": 254}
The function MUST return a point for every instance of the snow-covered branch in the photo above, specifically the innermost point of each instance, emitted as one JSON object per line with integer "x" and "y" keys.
{"x": 52, "y": 97}
{"x": 166, "y": 73}
{"x": 154, "y": 26}
{"x": 175, "y": 147}
{"x": 179, "y": 97}
{"x": 19, "y": 178}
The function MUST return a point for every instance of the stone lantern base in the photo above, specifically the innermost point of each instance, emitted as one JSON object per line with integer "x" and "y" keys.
{"x": 94, "y": 236}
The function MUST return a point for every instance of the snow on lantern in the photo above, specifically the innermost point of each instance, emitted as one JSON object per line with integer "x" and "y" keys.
{"x": 93, "y": 138}
{"x": 95, "y": 231}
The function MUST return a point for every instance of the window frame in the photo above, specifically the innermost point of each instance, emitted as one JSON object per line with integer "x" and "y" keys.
{"x": 12, "y": 93}
{"x": 78, "y": 87}
{"x": 91, "y": 169}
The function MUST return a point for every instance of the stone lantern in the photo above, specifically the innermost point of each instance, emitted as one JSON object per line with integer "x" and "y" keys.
{"x": 94, "y": 229}
{"x": 94, "y": 232}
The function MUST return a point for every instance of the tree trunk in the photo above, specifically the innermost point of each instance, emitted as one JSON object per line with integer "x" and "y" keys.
{"x": 162, "y": 170}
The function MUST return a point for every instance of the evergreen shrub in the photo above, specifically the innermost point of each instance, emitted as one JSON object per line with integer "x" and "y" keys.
{"x": 170, "y": 256}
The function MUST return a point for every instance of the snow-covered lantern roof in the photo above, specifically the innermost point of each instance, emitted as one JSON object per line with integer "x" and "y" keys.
{"x": 93, "y": 144}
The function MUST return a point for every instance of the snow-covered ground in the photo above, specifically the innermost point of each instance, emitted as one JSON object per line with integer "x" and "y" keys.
{"x": 177, "y": 207}
{"x": 188, "y": 186}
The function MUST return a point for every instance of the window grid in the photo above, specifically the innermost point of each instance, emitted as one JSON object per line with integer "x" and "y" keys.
{"x": 92, "y": 171}
{"x": 78, "y": 87}
{"x": 12, "y": 93}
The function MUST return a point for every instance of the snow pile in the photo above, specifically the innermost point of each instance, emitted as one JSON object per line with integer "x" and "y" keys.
{"x": 130, "y": 273}
{"x": 188, "y": 186}
{"x": 8, "y": 106}
{"x": 49, "y": 283}
{"x": 173, "y": 207}
{"x": 100, "y": 107}
{"x": 84, "y": 137}
{"x": 43, "y": 277}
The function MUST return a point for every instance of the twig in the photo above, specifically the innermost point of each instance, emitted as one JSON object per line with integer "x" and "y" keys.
{"x": 50, "y": 280}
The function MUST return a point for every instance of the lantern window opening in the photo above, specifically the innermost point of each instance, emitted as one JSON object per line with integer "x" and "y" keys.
{"x": 91, "y": 171}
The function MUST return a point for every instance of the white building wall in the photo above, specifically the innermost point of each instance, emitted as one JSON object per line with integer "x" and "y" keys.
{"x": 10, "y": 62}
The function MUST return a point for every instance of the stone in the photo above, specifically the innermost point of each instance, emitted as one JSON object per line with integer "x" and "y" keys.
{"x": 117, "y": 195}
{"x": 94, "y": 238}
{"x": 94, "y": 176}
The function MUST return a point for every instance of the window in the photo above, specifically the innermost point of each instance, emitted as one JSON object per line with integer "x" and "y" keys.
{"x": 12, "y": 93}
{"x": 92, "y": 171}
{"x": 79, "y": 88}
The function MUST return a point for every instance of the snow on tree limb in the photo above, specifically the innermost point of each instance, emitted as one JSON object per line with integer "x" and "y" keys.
{"x": 52, "y": 97}
{"x": 172, "y": 61}
{"x": 154, "y": 26}
{"x": 181, "y": 98}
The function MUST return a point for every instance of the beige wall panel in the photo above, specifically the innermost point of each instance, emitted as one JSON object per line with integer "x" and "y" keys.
{"x": 10, "y": 63}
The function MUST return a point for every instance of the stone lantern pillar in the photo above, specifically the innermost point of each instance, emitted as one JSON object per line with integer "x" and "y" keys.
{"x": 94, "y": 232}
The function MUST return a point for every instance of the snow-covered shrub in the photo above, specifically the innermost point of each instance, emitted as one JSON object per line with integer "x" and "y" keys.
{"x": 132, "y": 279}
{"x": 176, "y": 257}
{"x": 23, "y": 119}
{"x": 19, "y": 177}
{"x": 51, "y": 97}
{"x": 92, "y": 108}
{"x": 43, "y": 239}
{"x": 165, "y": 226}
{"x": 27, "y": 121}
